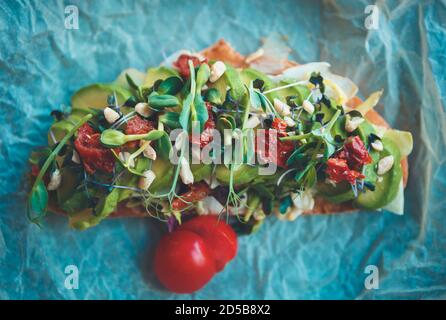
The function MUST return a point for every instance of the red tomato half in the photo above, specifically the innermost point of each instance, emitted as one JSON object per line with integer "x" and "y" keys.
{"x": 218, "y": 235}
{"x": 183, "y": 262}
{"x": 188, "y": 258}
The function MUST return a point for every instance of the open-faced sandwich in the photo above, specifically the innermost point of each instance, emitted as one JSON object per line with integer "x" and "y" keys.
{"x": 216, "y": 133}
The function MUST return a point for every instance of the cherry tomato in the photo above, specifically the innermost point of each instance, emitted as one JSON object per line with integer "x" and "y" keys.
{"x": 216, "y": 234}
{"x": 197, "y": 192}
{"x": 184, "y": 262}
{"x": 93, "y": 154}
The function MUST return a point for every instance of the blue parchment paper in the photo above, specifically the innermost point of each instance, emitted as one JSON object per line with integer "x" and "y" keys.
{"x": 320, "y": 257}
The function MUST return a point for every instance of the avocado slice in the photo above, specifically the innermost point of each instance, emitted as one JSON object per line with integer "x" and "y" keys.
{"x": 164, "y": 172}
{"x": 249, "y": 75}
{"x": 201, "y": 171}
{"x": 342, "y": 192}
{"x": 160, "y": 73}
{"x": 95, "y": 96}
{"x": 136, "y": 75}
{"x": 387, "y": 188}
{"x": 243, "y": 175}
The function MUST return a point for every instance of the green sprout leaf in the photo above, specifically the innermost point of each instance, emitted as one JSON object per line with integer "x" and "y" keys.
{"x": 160, "y": 102}
{"x": 38, "y": 200}
{"x": 187, "y": 104}
{"x": 38, "y": 204}
{"x": 170, "y": 119}
{"x": 170, "y": 86}
{"x": 113, "y": 138}
{"x": 213, "y": 96}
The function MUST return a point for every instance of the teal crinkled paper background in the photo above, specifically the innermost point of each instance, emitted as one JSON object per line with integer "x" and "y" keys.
{"x": 317, "y": 257}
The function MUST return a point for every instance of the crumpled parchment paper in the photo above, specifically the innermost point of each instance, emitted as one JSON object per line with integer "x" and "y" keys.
{"x": 42, "y": 64}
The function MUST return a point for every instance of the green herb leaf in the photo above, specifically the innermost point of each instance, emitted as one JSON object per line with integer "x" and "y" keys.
{"x": 37, "y": 192}
{"x": 187, "y": 104}
{"x": 38, "y": 201}
{"x": 238, "y": 89}
{"x": 201, "y": 110}
{"x": 107, "y": 204}
{"x": 131, "y": 82}
{"x": 163, "y": 146}
{"x": 301, "y": 174}
{"x": 203, "y": 74}
{"x": 154, "y": 135}
{"x": 311, "y": 178}
{"x": 160, "y": 102}
{"x": 213, "y": 96}
{"x": 185, "y": 112}
{"x": 170, "y": 86}
{"x": 113, "y": 138}
{"x": 170, "y": 119}
{"x": 285, "y": 204}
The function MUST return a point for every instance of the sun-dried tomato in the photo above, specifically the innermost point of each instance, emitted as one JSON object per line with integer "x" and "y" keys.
{"x": 355, "y": 153}
{"x": 137, "y": 125}
{"x": 280, "y": 125}
{"x": 207, "y": 135}
{"x": 35, "y": 170}
{"x": 182, "y": 64}
{"x": 274, "y": 150}
{"x": 338, "y": 170}
{"x": 93, "y": 154}
{"x": 197, "y": 192}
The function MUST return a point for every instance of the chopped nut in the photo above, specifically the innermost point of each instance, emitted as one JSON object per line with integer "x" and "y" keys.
{"x": 125, "y": 157}
{"x": 55, "y": 180}
{"x": 289, "y": 121}
{"x": 145, "y": 182}
{"x": 149, "y": 152}
{"x": 377, "y": 145}
{"x": 282, "y": 108}
{"x": 293, "y": 215}
{"x": 308, "y": 106}
{"x": 385, "y": 164}
{"x": 185, "y": 173}
{"x": 217, "y": 70}
{"x": 111, "y": 115}
{"x": 143, "y": 109}
{"x": 252, "y": 122}
{"x": 75, "y": 157}
{"x": 351, "y": 124}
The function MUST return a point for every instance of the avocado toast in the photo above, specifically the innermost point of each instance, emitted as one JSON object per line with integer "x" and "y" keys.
{"x": 335, "y": 153}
